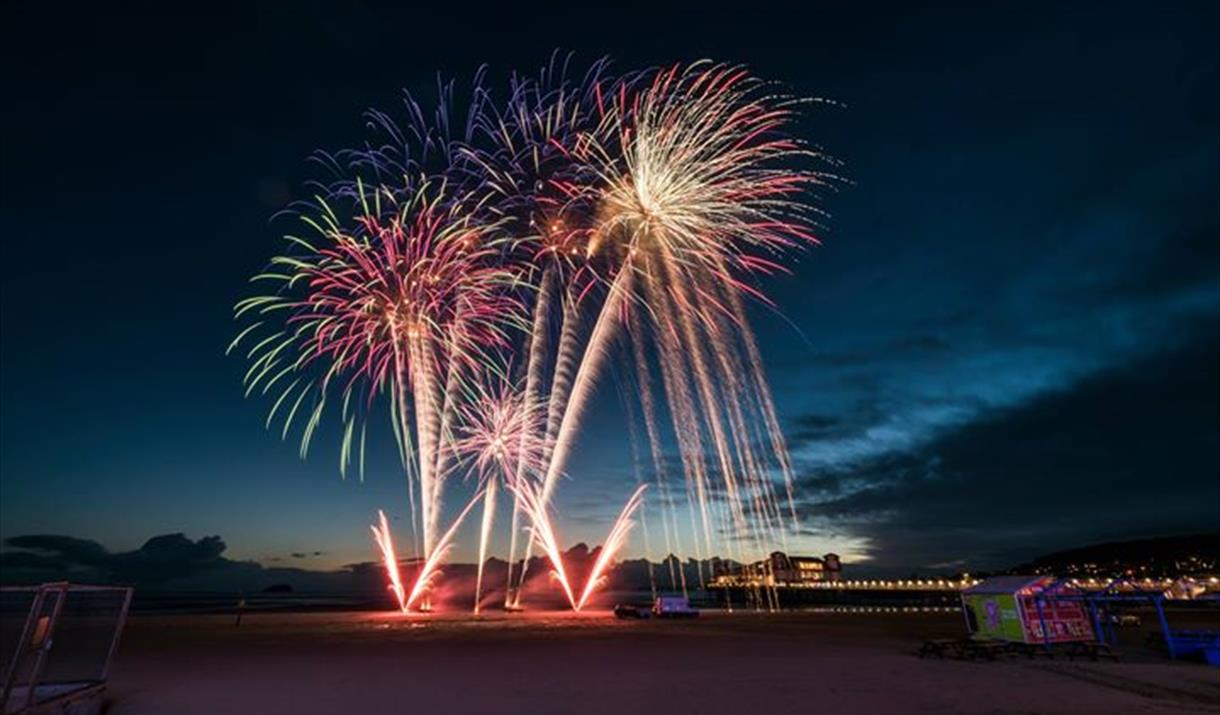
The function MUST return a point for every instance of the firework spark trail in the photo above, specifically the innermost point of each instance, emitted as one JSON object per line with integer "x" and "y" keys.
{"x": 557, "y": 396}
{"x": 687, "y": 428}
{"x": 767, "y": 516}
{"x": 688, "y": 440}
{"x": 424, "y": 381}
{"x": 514, "y": 527}
{"x": 428, "y": 572}
{"x": 611, "y": 546}
{"x": 694, "y": 471}
{"x": 401, "y": 423}
{"x": 566, "y": 367}
{"x": 648, "y": 407}
{"x": 489, "y": 512}
{"x": 756, "y": 496}
{"x": 385, "y": 542}
{"x": 762, "y": 394}
{"x": 764, "y": 502}
{"x": 448, "y": 411}
{"x": 706, "y": 390}
{"x": 634, "y": 438}
{"x": 530, "y": 442}
{"x": 766, "y": 522}
{"x": 595, "y": 353}
{"x": 568, "y": 405}
{"x": 542, "y": 532}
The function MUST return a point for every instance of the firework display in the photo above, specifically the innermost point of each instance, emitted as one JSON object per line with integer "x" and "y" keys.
{"x": 475, "y": 291}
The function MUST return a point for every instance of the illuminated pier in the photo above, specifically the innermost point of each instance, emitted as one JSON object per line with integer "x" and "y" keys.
{"x": 783, "y": 572}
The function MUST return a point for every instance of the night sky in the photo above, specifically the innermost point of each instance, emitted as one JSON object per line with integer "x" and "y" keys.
{"x": 1007, "y": 345}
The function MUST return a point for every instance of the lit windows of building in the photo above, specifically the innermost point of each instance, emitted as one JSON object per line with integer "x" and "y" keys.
{"x": 778, "y": 569}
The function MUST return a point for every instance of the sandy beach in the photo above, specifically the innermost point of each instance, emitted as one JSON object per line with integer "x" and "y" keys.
{"x": 592, "y": 663}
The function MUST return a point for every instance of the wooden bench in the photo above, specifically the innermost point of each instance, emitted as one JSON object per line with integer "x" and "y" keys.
{"x": 1091, "y": 650}
{"x": 985, "y": 650}
{"x": 940, "y": 647}
{"x": 1032, "y": 650}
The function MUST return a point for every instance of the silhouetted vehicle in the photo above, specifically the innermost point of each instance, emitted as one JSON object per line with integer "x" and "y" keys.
{"x": 673, "y": 607}
{"x": 627, "y": 610}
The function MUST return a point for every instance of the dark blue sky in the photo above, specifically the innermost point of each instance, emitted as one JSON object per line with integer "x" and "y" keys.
{"x": 1007, "y": 345}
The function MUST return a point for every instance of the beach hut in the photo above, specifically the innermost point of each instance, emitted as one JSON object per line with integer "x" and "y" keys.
{"x": 1010, "y": 608}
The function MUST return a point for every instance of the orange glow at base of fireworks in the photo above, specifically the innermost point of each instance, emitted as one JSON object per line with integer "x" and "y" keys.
{"x": 542, "y": 532}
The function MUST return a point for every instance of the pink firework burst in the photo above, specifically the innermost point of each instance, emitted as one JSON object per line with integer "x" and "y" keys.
{"x": 424, "y": 274}
{"x": 498, "y": 431}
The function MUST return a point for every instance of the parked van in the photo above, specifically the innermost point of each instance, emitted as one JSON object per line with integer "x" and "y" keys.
{"x": 673, "y": 607}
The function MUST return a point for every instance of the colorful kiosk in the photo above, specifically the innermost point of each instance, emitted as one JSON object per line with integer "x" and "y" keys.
{"x": 1016, "y": 609}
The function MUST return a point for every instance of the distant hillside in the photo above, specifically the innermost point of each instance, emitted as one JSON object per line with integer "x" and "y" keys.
{"x": 1164, "y": 557}
{"x": 173, "y": 563}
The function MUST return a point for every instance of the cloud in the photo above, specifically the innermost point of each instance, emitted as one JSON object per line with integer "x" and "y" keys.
{"x": 1128, "y": 453}
{"x": 174, "y": 563}
{"x": 1036, "y": 374}
{"x": 161, "y": 558}
{"x": 166, "y": 562}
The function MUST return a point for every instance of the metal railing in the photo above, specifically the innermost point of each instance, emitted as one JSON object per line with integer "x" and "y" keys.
{"x": 57, "y": 641}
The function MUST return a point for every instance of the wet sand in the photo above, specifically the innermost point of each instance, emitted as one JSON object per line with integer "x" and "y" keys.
{"x": 591, "y": 663}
